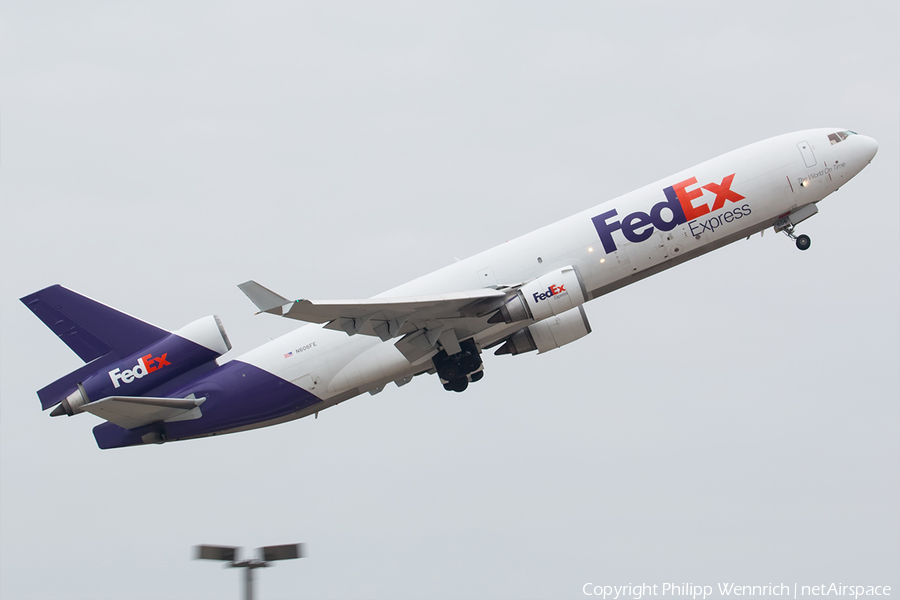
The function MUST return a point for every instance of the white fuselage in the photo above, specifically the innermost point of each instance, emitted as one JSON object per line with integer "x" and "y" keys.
{"x": 772, "y": 178}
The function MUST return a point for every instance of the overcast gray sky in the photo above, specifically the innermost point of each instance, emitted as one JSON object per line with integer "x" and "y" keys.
{"x": 733, "y": 419}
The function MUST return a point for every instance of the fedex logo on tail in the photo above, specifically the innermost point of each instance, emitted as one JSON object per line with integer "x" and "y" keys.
{"x": 639, "y": 226}
{"x": 145, "y": 365}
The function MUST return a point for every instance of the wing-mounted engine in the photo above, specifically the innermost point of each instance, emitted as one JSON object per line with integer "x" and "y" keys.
{"x": 192, "y": 346}
{"x": 548, "y": 334}
{"x": 551, "y": 294}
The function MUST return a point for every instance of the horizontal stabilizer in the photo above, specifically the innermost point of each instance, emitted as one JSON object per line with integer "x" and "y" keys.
{"x": 265, "y": 299}
{"x": 129, "y": 412}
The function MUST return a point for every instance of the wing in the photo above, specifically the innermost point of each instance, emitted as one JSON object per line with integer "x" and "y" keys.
{"x": 421, "y": 322}
{"x": 129, "y": 412}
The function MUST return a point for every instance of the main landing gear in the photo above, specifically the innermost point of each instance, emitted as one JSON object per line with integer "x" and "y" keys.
{"x": 458, "y": 370}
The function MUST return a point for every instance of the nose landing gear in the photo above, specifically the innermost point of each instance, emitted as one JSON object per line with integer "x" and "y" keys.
{"x": 803, "y": 242}
{"x": 787, "y": 223}
{"x": 784, "y": 225}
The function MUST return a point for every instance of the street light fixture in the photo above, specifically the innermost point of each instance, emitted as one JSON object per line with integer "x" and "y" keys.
{"x": 267, "y": 553}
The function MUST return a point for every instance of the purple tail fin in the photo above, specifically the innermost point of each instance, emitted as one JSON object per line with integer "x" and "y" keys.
{"x": 89, "y": 328}
{"x": 97, "y": 333}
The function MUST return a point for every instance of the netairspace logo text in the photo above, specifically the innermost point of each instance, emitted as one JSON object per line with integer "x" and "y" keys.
{"x": 724, "y": 590}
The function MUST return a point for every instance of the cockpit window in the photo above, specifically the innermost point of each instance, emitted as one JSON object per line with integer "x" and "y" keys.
{"x": 840, "y": 136}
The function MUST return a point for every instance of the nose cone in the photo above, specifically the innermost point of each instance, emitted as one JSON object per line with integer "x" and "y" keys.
{"x": 868, "y": 148}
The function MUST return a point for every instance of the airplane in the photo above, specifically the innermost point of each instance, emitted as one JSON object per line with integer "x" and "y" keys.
{"x": 152, "y": 386}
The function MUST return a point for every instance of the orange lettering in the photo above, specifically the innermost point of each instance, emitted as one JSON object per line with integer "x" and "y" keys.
{"x": 686, "y": 199}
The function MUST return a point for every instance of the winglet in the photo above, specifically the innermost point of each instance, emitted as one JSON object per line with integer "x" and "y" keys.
{"x": 265, "y": 299}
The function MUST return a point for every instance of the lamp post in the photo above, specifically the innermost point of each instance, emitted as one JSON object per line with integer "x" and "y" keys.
{"x": 267, "y": 555}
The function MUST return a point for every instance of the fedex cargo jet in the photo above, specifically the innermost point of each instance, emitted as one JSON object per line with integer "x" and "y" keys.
{"x": 152, "y": 386}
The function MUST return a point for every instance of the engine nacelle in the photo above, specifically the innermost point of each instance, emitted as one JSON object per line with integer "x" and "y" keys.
{"x": 548, "y": 334}
{"x": 548, "y": 295}
{"x": 191, "y": 346}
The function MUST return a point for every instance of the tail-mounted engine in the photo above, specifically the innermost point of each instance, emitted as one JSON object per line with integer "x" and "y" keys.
{"x": 192, "y": 346}
{"x": 548, "y": 334}
{"x": 548, "y": 295}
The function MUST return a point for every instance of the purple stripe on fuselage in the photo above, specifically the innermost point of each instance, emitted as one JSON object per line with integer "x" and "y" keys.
{"x": 237, "y": 394}
{"x": 149, "y": 368}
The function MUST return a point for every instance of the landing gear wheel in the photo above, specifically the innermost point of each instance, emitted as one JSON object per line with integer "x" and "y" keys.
{"x": 457, "y": 385}
{"x": 803, "y": 242}
{"x": 452, "y": 371}
{"x": 457, "y": 370}
{"x": 476, "y": 376}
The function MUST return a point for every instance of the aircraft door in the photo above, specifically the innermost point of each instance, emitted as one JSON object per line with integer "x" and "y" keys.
{"x": 806, "y": 152}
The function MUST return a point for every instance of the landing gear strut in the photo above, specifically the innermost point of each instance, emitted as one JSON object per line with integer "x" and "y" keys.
{"x": 458, "y": 370}
{"x": 803, "y": 242}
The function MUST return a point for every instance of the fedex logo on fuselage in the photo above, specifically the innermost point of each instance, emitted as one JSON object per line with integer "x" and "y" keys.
{"x": 639, "y": 226}
{"x": 553, "y": 290}
{"x": 145, "y": 365}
